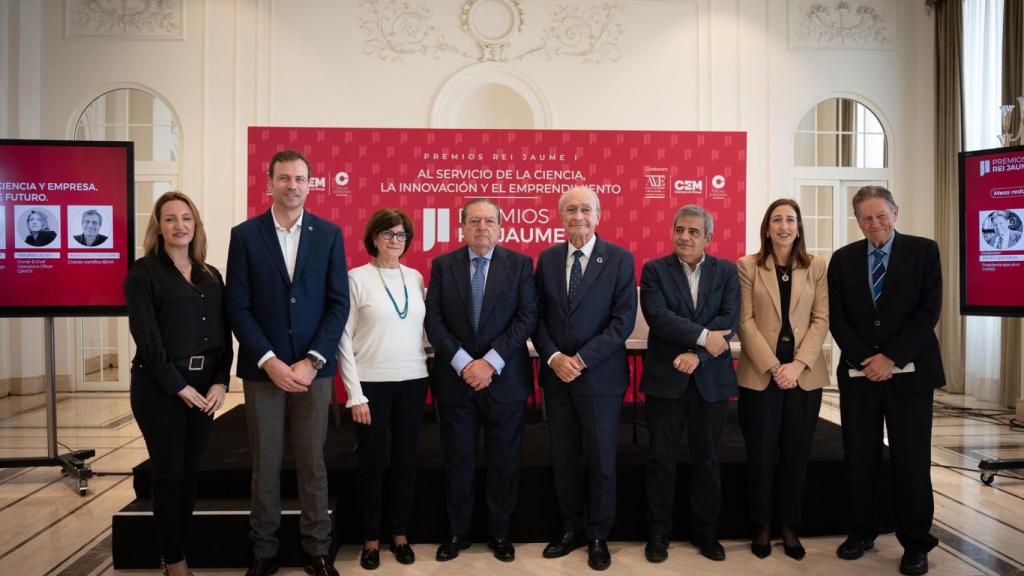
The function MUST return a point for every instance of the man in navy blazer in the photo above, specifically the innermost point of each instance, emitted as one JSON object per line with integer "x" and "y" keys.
{"x": 691, "y": 301}
{"x": 587, "y": 309}
{"x": 481, "y": 308}
{"x": 287, "y": 294}
{"x": 885, "y": 296}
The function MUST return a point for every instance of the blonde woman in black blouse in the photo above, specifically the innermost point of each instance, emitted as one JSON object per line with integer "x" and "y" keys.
{"x": 180, "y": 370}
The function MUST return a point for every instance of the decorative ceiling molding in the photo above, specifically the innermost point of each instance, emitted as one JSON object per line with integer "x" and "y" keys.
{"x": 396, "y": 29}
{"x": 839, "y": 25}
{"x": 145, "y": 19}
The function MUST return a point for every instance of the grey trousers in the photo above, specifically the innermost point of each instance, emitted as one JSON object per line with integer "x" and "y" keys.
{"x": 265, "y": 406}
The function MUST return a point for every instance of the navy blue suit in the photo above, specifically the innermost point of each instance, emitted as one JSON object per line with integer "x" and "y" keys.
{"x": 291, "y": 317}
{"x": 507, "y": 317}
{"x": 675, "y": 400}
{"x": 902, "y": 327}
{"x": 583, "y": 415}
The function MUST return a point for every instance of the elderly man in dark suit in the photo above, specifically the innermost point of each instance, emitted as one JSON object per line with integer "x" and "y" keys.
{"x": 587, "y": 289}
{"x": 691, "y": 301}
{"x": 885, "y": 295}
{"x": 481, "y": 308}
{"x": 287, "y": 292}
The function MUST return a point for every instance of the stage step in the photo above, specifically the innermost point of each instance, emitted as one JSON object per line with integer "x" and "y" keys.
{"x": 219, "y": 532}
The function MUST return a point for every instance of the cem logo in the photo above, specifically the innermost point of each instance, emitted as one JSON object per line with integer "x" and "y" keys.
{"x": 688, "y": 186}
{"x": 436, "y": 226}
{"x": 317, "y": 183}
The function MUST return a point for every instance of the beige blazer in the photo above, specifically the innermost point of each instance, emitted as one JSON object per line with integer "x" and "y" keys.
{"x": 761, "y": 321}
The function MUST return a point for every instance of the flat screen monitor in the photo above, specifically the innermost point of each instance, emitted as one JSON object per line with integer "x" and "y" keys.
{"x": 992, "y": 232}
{"x": 67, "y": 229}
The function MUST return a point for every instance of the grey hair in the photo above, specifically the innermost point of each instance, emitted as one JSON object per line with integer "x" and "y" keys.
{"x": 474, "y": 202}
{"x": 694, "y": 210}
{"x": 91, "y": 212}
{"x": 561, "y": 199}
{"x": 873, "y": 191}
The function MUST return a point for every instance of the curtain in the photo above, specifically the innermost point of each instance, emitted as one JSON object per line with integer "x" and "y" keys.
{"x": 1013, "y": 86}
{"x": 948, "y": 142}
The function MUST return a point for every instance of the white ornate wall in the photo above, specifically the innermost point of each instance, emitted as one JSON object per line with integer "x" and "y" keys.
{"x": 754, "y": 65}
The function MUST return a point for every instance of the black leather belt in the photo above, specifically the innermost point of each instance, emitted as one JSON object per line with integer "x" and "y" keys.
{"x": 194, "y": 363}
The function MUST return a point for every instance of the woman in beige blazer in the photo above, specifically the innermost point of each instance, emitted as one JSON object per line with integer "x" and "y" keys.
{"x": 783, "y": 324}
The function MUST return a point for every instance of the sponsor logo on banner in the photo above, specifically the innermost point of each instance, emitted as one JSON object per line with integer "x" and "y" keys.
{"x": 984, "y": 167}
{"x": 655, "y": 181}
{"x": 340, "y": 185}
{"x": 688, "y": 186}
{"x": 436, "y": 226}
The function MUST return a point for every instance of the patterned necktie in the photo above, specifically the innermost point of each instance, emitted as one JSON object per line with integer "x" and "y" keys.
{"x": 575, "y": 275}
{"x": 478, "y": 288}
{"x": 877, "y": 275}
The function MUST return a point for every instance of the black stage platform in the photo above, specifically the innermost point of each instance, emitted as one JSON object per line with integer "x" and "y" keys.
{"x": 225, "y": 476}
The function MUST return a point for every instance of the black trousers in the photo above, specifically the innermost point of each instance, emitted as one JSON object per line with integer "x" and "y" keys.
{"x": 666, "y": 419}
{"x": 907, "y": 414}
{"x": 584, "y": 433}
{"x": 176, "y": 436}
{"x": 778, "y": 428}
{"x": 503, "y": 442}
{"x": 396, "y": 407}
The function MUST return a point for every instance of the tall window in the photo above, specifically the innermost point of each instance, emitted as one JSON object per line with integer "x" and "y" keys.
{"x": 103, "y": 344}
{"x": 839, "y": 146}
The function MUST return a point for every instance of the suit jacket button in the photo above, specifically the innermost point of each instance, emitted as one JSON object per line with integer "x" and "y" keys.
{"x": 293, "y": 300}
{"x": 291, "y": 331}
{"x": 878, "y": 322}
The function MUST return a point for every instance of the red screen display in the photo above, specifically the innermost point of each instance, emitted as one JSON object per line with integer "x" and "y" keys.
{"x": 66, "y": 231}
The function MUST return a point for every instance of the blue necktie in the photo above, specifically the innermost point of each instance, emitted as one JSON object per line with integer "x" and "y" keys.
{"x": 478, "y": 288}
{"x": 877, "y": 275}
{"x": 575, "y": 275}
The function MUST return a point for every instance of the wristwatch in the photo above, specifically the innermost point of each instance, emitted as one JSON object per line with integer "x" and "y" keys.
{"x": 318, "y": 362}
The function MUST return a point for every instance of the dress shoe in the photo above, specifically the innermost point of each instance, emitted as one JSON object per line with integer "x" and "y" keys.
{"x": 450, "y": 549}
{"x": 403, "y": 553}
{"x": 709, "y": 547}
{"x": 914, "y": 563}
{"x": 567, "y": 543}
{"x": 322, "y": 566}
{"x": 503, "y": 549}
{"x": 656, "y": 550}
{"x": 370, "y": 558}
{"x": 796, "y": 551}
{"x": 854, "y": 547}
{"x": 761, "y": 550}
{"x": 262, "y": 566}
{"x": 598, "y": 557}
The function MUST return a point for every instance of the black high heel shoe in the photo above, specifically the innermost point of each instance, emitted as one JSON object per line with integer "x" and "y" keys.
{"x": 796, "y": 550}
{"x": 762, "y": 549}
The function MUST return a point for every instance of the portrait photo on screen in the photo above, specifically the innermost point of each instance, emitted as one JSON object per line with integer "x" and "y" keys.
{"x": 37, "y": 226}
{"x": 90, "y": 226}
{"x": 1001, "y": 230}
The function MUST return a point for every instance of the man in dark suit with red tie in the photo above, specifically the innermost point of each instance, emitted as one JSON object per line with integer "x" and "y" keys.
{"x": 587, "y": 308}
{"x": 885, "y": 295}
{"x": 481, "y": 308}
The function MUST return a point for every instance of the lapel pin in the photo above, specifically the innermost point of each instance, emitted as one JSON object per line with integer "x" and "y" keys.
{"x": 310, "y": 228}
{"x": 600, "y": 260}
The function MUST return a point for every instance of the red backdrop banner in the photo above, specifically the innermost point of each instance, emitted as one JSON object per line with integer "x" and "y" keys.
{"x": 641, "y": 177}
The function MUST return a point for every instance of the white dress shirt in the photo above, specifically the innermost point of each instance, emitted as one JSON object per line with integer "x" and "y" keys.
{"x": 693, "y": 280}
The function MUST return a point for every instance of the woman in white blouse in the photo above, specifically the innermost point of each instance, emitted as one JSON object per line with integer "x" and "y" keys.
{"x": 384, "y": 368}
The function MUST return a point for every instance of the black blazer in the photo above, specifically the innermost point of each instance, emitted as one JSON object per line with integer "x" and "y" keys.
{"x": 43, "y": 239}
{"x": 598, "y": 323}
{"x": 903, "y": 325}
{"x": 675, "y": 326}
{"x": 507, "y": 317}
{"x": 268, "y": 311}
